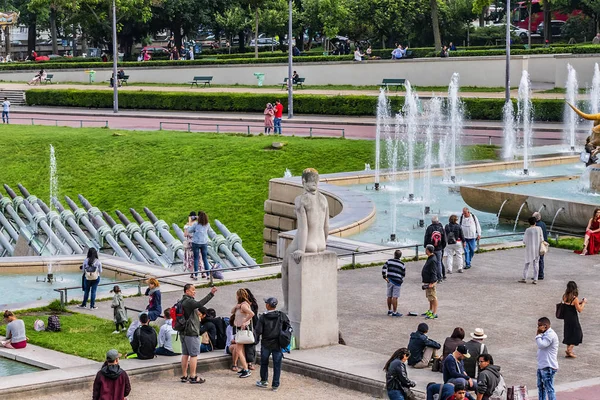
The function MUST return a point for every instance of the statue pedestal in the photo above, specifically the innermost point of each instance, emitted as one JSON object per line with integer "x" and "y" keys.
{"x": 594, "y": 176}
{"x": 313, "y": 303}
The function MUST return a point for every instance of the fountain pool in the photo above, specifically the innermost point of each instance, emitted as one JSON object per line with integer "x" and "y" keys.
{"x": 11, "y": 367}
{"x": 443, "y": 202}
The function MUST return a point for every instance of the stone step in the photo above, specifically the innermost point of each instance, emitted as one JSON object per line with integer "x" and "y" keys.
{"x": 16, "y": 97}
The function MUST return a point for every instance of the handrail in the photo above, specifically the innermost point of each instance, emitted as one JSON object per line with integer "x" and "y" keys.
{"x": 56, "y": 121}
{"x": 248, "y": 126}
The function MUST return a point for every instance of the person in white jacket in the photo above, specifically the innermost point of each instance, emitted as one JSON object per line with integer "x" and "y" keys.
{"x": 165, "y": 339}
{"x": 533, "y": 240}
{"x": 472, "y": 233}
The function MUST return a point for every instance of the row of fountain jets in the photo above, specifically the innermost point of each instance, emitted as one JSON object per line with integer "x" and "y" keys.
{"x": 65, "y": 232}
{"x": 400, "y": 134}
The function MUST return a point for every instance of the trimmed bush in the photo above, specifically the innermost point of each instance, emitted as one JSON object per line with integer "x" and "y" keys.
{"x": 475, "y": 108}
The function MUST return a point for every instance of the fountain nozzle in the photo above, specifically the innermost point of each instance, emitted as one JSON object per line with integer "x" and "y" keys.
{"x": 376, "y": 185}
{"x": 453, "y": 179}
{"x": 49, "y": 278}
{"x": 411, "y": 197}
{"x": 572, "y": 148}
{"x": 393, "y": 237}
{"x": 427, "y": 210}
{"x": 525, "y": 171}
{"x": 421, "y": 223}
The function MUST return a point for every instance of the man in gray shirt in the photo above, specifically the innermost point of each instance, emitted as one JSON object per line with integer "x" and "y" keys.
{"x": 547, "y": 362}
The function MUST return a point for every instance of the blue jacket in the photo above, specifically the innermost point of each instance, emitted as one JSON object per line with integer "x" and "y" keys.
{"x": 542, "y": 225}
{"x": 453, "y": 369}
{"x": 416, "y": 345}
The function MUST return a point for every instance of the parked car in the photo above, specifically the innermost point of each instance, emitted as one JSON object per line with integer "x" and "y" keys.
{"x": 555, "y": 27}
{"x": 520, "y": 32}
{"x": 265, "y": 42}
{"x": 157, "y": 50}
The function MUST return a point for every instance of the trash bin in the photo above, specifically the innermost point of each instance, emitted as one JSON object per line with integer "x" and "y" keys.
{"x": 92, "y": 75}
{"x": 261, "y": 77}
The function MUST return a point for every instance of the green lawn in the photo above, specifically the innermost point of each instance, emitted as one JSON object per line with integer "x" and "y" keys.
{"x": 81, "y": 335}
{"x": 174, "y": 173}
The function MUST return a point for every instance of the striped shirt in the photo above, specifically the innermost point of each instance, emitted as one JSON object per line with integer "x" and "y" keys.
{"x": 394, "y": 270}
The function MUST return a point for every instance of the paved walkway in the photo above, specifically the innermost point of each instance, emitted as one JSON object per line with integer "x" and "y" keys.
{"x": 487, "y": 296}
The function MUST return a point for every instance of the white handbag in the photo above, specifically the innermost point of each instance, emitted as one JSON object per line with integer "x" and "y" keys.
{"x": 245, "y": 336}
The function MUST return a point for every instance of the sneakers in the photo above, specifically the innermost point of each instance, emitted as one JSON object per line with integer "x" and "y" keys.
{"x": 449, "y": 272}
{"x": 390, "y": 313}
{"x": 467, "y": 267}
{"x": 460, "y": 271}
{"x": 116, "y": 332}
{"x": 262, "y": 384}
{"x": 431, "y": 316}
{"x": 396, "y": 314}
{"x": 275, "y": 388}
{"x": 534, "y": 282}
{"x": 245, "y": 373}
{"x": 522, "y": 281}
{"x": 81, "y": 306}
{"x": 124, "y": 330}
{"x": 197, "y": 379}
{"x": 426, "y": 313}
{"x": 93, "y": 308}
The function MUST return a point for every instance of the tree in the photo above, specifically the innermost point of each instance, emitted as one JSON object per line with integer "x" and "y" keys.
{"x": 435, "y": 24}
{"x": 56, "y": 9}
{"x": 180, "y": 17}
{"x": 232, "y": 21}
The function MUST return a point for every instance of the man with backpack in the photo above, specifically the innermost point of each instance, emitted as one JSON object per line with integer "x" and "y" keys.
{"x": 187, "y": 322}
{"x": 435, "y": 235}
{"x": 472, "y": 232}
{"x": 490, "y": 384}
{"x": 274, "y": 327}
{"x": 456, "y": 242}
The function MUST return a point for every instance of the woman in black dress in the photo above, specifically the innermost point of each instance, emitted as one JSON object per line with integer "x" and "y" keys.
{"x": 573, "y": 335}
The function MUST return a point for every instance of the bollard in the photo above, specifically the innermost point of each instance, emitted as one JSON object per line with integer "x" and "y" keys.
{"x": 248, "y": 129}
{"x": 417, "y": 252}
{"x": 160, "y": 126}
{"x": 353, "y": 259}
{"x": 218, "y": 128}
{"x": 189, "y": 129}
{"x": 490, "y": 140}
{"x": 311, "y": 131}
{"x": 343, "y": 133}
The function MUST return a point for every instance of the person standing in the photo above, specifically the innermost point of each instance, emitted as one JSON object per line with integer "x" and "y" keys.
{"x": 436, "y": 236}
{"x": 393, "y": 272}
{"x": 542, "y": 225}
{"x": 278, "y": 115}
{"x": 5, "y": 110}
{"x": 188, "y": 255}
{"x": 15, "y": 332}
{"x": 250, "y": 349}
{"x": 472, "y": 233}
{"x": 429, "y": 278}
{"x": 573, "y": 335}
{"x": 455, "y": 245}
{"x": 92, "y": 269}
{"x": 154, "y": 306}
{"x": 199, "y": 232}
{"x": 396, "y": 376}
{"x": 269, "y": 115}
{"x": 547, "y": 361}
{"x": 269, "y": 327}
{"x": 190, "y": 338}
{"x": 243, "y": 317}
{"x": 112, "y": 382}
{"x": 119, "y": 311}
{"x": 532, "y": 239}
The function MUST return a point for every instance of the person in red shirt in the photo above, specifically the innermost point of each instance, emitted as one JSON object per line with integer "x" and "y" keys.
{"x": 278, "y": 115}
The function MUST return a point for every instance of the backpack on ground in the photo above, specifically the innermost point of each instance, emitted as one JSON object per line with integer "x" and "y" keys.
{"x": 176, "y": 314}
{"x": 91, "y": 272}
{"x": 53, "y": 324}
{"x": 221, "y": 327}
{"x": 436, "y": 238}
{"x": 500, "y": 392}
{"x": 285, "y": 332}
{"x": 216, "y": 273}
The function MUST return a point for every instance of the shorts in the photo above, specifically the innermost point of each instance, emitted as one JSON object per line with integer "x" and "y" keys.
{"x": 393, "y": 290}
{"x": 190, "y": 346}
{"x": 431, "y": 294}
{"x": 19, "y": 345}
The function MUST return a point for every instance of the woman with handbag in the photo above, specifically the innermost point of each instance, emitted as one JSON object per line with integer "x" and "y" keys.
{"x": 396, "y": 378}
{"x": 244, "y": 328}
{"x": 573, "y": 335}
{"x": 250, "y": 349}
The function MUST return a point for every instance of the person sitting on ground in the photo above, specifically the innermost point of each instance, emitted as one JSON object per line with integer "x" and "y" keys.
{"x": 112, "y": 382}
{"x": 154, "y": 307}
{"x": 475, "y": 347}
{"x": 208, "y": 332}
{"x": 15, "y": 332}
{"x": 489, "y": 377}
{"x": 448, "y": 391}
{"x": 119, "y": 311}
{"x": 454, "y": 369}
{"x": 452, "y": 342}
{"x": 421, "y": 348}
{"x": 396, "y": 377}
{"x": 165, "y": 338}
{"x": 144, "y": 340}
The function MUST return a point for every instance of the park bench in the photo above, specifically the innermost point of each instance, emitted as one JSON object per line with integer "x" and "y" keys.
{"x": 48, "y": 78}
{"x": 201, "y": 79}
{"x": 299, "y": 83}
{"x": 387, "y": 82}
{"x": 124, "y": 79}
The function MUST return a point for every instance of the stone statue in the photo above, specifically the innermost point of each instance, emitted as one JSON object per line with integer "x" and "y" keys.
{"x": 595, "y": 135}
{"x": 312, "y": 214}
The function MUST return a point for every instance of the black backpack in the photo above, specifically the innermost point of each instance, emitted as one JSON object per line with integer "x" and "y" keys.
{"x": 285, "y": 332}
{"x": 450, "y": 237}
{"x": 53, "y": 324}
{"x": 221, "y": 326}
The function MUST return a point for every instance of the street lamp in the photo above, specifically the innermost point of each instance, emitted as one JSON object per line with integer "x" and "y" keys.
{"x": 115, "y": 59}
{"x": 507, "y": 82}
{"x": 290, "y": 60}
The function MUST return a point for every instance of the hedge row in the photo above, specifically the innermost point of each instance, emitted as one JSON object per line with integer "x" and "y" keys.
{"x": 476, "y": 108}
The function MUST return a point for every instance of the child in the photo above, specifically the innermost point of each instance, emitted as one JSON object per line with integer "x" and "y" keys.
{"x": 118, "y": 306}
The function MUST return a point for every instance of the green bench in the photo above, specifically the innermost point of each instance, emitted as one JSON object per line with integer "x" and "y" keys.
{"x": 48, "y": 79}
{"x": 299, "y": 83}
{"x": 387, "y": 82}
{"x": 124, "y": 79}
{"x": 201, "y": 79}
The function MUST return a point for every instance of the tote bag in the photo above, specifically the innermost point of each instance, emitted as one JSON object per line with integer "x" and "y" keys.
{"x": 245, "y": 336}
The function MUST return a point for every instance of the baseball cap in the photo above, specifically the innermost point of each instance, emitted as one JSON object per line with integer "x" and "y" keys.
{"x": 112, "y": 355}
{"x": 272, "y": 301}
{"x": 462, "y": 349}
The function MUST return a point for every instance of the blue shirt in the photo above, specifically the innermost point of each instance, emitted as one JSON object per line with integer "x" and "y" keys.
{"x": 199, "y": 233}
{"x": 547, "y": 344}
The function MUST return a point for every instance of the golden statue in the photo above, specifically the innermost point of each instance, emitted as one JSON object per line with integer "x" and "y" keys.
{"x": 9, "y": 18}
{"x": 595, "y": 136}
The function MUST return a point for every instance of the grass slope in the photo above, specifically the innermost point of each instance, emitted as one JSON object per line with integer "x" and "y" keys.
{"x": 173, "y": 173}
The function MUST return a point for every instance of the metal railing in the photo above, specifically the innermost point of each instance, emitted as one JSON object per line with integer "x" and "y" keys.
{"x": 56, "y": 121}
{"x": 247, "y": 128}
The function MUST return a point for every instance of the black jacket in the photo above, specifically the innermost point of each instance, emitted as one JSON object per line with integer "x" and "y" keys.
{"x": 211, "y": 329}
{"x": 488, "y": 380}
{"x": 269, "y": 329}
{"x": 144, "y": 342}
{"x": 456, "y": 229}
{"x": 435, "y": 227}
{"x": 429, "y": 271}
{"x": 416, "y": 345}
{"x": 396, "y": 377}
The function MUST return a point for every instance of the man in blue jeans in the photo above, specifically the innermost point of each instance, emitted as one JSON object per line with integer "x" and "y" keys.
{"x": 547, "y": 362}
{"x": 269, "y": 326}
{"x": 472, "y": 233}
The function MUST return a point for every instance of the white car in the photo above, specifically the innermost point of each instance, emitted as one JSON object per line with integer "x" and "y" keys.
{"x": 520, "y": 32}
